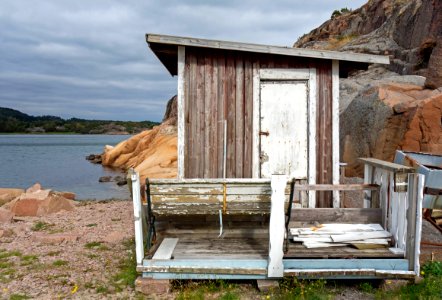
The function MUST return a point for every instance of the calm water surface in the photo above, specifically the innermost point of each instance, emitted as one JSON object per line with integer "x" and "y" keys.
{"x": 58, "y": 162}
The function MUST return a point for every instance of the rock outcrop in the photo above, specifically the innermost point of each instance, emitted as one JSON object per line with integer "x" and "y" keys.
{"x": 36, "y": 201}
{"x": 407, "y": 30}
{"x": 383, "y": 112}
{"x": 395, "y": 106}
{"x": 152, "y": 153}
{"x": 7, "y": 195}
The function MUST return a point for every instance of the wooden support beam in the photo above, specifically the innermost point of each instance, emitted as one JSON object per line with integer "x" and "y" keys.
{"x": 275, "y": 268}
{"x": 386, "y": 165}
{"x": 342, "y": 215}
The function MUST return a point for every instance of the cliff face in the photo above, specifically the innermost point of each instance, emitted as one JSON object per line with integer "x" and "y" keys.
{"x": 388, "y": 107}
{"x": 410, "y": 31}
{"x": 382, "y": 112}
{"x": 153, "y": 153}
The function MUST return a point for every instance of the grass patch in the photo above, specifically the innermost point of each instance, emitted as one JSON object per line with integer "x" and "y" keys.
{"x": 59, "y": 263}
{"x": 5, "y": 264}
{"x": 5, "y": 254}
{"x": 19, "y": 297}
{"x": 293, "y": 288}
{"x": 220, "y": 289}
{"x": 28, "y": 260}
{"x": 127, "y": 268}
{"x": 92, "y": 245}
{"x": 41, "y": 226}
{"x": 96, "y": 246}
{"x": 53, "y": 253}
{"x": 102, "y": 289}
{"x": 91, "y": 225}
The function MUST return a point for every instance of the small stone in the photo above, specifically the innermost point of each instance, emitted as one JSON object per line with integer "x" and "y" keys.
{"x": 105, "y": 179}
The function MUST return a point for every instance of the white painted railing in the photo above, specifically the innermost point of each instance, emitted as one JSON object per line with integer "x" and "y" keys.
{"x": 401, "y": 211}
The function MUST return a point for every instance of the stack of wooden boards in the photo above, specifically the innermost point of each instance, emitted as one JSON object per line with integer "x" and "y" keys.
{"x": 361, "y": 236}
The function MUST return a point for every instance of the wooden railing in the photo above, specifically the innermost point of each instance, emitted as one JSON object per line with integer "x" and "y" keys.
{"x": 400, "y": 198}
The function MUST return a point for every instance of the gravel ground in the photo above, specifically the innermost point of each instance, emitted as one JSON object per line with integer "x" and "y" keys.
{"x": 77, "y": 254}
{"x": 69, "y": 254}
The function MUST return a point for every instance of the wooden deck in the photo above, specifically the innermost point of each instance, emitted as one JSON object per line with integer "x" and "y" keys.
{"x": 194, "y": 246}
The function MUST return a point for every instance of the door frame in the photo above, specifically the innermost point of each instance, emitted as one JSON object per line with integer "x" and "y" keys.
{"x": 307, "y": 75}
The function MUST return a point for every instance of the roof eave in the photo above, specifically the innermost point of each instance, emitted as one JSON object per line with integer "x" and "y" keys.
{"x": 268, "y": 49}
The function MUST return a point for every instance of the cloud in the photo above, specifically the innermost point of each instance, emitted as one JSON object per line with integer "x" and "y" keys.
{"x": 90, "y": 59}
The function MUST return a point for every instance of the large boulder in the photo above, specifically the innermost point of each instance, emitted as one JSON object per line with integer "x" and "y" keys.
{"x": 153, "y": 153}
{"x": 38, "y": 202}
{"x": 7, "y": 195}
{"x": 383, "y": 116}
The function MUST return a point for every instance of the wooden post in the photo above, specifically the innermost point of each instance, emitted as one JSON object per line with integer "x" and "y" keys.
{"x": 275, "y": 266}
{"x": 335, "y": 130}
{"x": 414, "y": 220}
{"x": 368, "y": 178}
{"x": 138, "y": 216}
{"x": 181, "y": 109}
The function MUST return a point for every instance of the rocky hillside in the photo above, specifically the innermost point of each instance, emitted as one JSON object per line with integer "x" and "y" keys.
{"x": 410, "y": 31}
{"x": 153, "y": 153}
{"x": 388, "y": 107}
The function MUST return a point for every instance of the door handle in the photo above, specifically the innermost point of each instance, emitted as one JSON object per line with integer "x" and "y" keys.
{"x": 266, "y": 133}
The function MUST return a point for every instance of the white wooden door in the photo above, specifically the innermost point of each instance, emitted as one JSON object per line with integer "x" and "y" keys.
{"x": 284, "y": 128}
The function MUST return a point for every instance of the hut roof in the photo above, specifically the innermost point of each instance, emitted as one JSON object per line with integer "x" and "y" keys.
{"x": 165, "y": 48}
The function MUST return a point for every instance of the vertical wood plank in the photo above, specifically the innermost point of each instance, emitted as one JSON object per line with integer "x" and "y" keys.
{"x": 312, "y": 135}
{"x": 335, "y": 130}
{"x": 221, "y": 112}
{"x": 187, "y": 134}
{"x": 192, "y": 140}
{"x": 214, "y": 119}
{"x": 181, "y": 110}
{"x": 231, "y": 117}
{"x": 207, "y": 130}
{"x": 199, "y": 134}
{"x": 275, "y": 268}
{"x": 324, "y": 132}
{"x": 239, "y": 117}
{"x": 248, "y": 118}
{"x": 256, "y": 165}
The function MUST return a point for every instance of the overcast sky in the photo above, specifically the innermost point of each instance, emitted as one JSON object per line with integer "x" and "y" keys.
{"x": 89, "y": 59}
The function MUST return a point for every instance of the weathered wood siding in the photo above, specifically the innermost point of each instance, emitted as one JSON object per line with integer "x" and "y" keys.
{"x": 218, "y": 87}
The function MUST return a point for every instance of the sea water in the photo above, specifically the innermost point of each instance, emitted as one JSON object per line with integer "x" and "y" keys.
{"x": 58, "y": 162}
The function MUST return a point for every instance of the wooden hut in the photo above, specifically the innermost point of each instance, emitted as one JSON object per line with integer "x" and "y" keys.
{"x": 280, "y": 104}
{"x": 258, "y": 164}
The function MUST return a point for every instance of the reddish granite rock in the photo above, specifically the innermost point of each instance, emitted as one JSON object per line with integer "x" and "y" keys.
{"x": 5, "y": 215}
{"x": 7, "y": 194}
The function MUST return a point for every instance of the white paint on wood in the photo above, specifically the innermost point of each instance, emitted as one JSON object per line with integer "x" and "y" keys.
{"x": 311, "y": 245}
{"x": 257, "y": 48}
{"x": 335, "y": 130}
{"x": 312, "y": 136}
{"x": 275, "y": 268}
{"x": 337, "y": 238}
{"x": 165, "y": 250}
{"x": 181, "y": 109}
{"x": 284, "y": 121}
{"x": 418, "y": 227}
{"x": 284, "y": 74}
{"x": 395, "y": 250}
{"x": 138, "y": 215}
{"x": 255, "y": 121}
